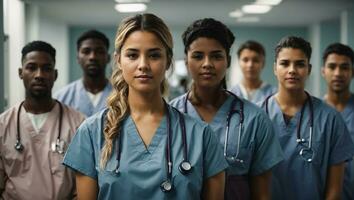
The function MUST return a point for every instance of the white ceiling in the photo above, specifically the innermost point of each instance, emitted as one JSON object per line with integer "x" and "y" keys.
{"x": 183, "y": 12}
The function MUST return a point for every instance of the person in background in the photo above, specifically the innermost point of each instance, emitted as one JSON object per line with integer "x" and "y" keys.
{"x": 246, "y": 133}
{"x": 251, "y": 58}
{"x": 89, "y": 94}
{"x": 34, "y": 134}
{"x": 313, "y": 135}
{"x": 140, "y": 147}
{"x": 337, "y": 70}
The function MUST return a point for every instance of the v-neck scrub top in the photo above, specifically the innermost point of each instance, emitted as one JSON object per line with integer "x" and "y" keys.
{"x": 295, "y": 178}
{"x": 142, "y": 169}
{"x": 259, "y": 148}
{"x": 36, "y": 172}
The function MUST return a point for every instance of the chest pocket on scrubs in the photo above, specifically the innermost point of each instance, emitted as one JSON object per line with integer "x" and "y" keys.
{"x": 318, "y": 148}
{"x": 55, "y": 157}
{"x": 243, "y": 161}
{"x": 192, "y": 181}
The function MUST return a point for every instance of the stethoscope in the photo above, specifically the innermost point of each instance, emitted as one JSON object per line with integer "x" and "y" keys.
{"x": 306, "y": 152}
{"x": 185, "y": 166}
{"x": 235, "y": 157}
{"x": 58, "y": 146}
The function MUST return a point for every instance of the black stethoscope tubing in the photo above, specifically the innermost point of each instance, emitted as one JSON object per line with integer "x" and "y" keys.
{"x": 184, "y": 167}
{"x": 298, "y": 128}
{"x": 18, "y": 145}
{"x": 240, "y": 112}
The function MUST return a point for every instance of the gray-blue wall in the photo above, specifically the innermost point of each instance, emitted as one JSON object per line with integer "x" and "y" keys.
{"x": 266, "y": 35}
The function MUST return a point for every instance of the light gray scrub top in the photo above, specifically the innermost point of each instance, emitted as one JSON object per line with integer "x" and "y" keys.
{"x": 75, "y": 95}
{"x": 259, "y": 95}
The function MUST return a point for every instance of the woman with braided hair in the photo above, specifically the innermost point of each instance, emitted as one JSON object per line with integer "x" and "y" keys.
{"x": 140, "y": 147}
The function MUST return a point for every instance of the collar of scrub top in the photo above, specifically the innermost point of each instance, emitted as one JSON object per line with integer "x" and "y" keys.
{"x": 307, "y": 152}
{"x": 58, "y": 146}
{"x": 185, "y": 167}
{"x": 235, "y": 157}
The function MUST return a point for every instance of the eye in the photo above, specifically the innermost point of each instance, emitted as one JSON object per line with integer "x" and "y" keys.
{"x": 85, "y": 51}
{"x": 155, "y": 55}
{"x": 218, "y": 56}
{"x": 132, "y": 55}
{"x": 48, "y": 68}
{"x": 197, "y": 56}
{"x": 283, "y": 63}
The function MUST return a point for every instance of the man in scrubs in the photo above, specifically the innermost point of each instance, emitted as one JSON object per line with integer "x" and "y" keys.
{"x": 251, "y": 58}
{"x": 338, "y": 71}
{"x": 88, "y": 95}
{"x": 313, "y": 136}
{"x": 34, "y": 134}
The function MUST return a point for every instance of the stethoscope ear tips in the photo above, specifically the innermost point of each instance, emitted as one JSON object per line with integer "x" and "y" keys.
{"x": 185, "y": 167}
{"x": 19, "y": 146}
{"x": 166, "y": 186}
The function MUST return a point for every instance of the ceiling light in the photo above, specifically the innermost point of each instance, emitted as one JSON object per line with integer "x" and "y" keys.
{"x": 236, "y": 13}
{"x": 248, "y": 19}
{"x": 130, "y": 7}
{"x": 132, "y": 1}
{"x": 256, "y": 9}
{"x": 268, "y": 2}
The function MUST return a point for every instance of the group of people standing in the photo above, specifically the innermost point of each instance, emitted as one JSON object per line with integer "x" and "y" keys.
{"x": 252, "y": 142}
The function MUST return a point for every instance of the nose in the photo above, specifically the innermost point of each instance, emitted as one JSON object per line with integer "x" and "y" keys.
{"x": 337, "y": 71}
{"x": 39, "y": 74}
{"x": 143, "y": 63}
{"x": 292, "y": 69}
{"x": 207, "y": 63}
{"x": 92, "y": 55}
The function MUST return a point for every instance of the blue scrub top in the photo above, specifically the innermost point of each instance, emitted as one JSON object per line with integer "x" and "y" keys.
{"x": 295, "y": 178}
{"x": 142, "y": 169}
{"x": 260, "y": 94}
{"x": 259, "y": 148}
{"x": 348, "y": 183}
{"x": 75, "y": 95}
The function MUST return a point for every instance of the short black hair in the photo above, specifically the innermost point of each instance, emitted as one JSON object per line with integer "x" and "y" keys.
{"x": 209, "y": 28}
{"x": 92, "y": 34}
{"x": 340, "y": 49}
{"x": 295, "y": 43}
{"x": 38, "y": 46}
{"x": 252, "y": 45}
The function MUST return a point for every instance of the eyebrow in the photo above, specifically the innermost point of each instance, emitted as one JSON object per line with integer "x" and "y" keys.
{"x": 152, "y": 49}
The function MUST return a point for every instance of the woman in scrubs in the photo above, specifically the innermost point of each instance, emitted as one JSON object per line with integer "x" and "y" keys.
{"x": 250, "y": 148}
{"x": 251, "y": 58}
{"x": 313, "y": 136}
{"x": 140, "y": 147}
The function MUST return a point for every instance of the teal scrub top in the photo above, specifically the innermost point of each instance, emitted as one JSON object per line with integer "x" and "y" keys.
{"x": 259, "y": 148}
{"x": 142, "y": 169}
{"x": 75, "y": 95}
{"x": 295, "y": 178}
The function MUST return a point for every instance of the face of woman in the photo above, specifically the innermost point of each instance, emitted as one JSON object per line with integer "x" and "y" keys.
{"x": 292, "y": 69}
{"x": 207, "y": 62}
{"x": 251, "y": 64}
{"x": 143, "y": 61}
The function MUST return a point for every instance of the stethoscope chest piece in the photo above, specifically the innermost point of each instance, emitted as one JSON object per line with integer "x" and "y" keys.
{"x": 166, "y": 186}
{"x": 58, "y": 146}
{"x": 19, "y": 146}
{"x": 307, "y": 154}
{"x": 185, "y": 167}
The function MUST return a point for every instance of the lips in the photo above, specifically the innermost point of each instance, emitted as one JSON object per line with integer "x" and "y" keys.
{"x": 143, "y": 77}
{"x": 206, "y": 74}
{"x": 39, "y": 85}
